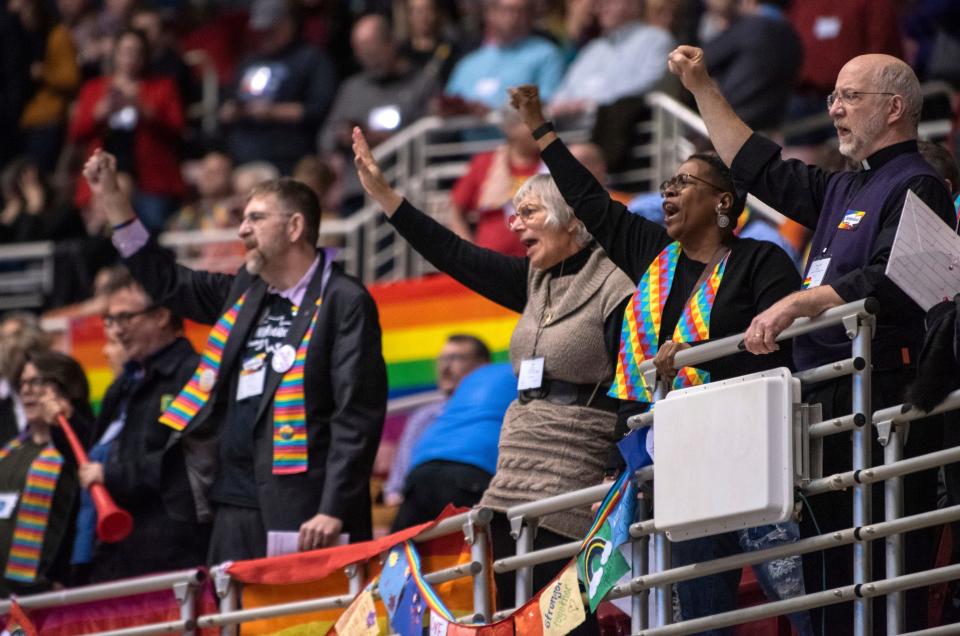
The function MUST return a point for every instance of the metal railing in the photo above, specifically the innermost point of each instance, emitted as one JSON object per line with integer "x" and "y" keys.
{"x": 858, "y": 321}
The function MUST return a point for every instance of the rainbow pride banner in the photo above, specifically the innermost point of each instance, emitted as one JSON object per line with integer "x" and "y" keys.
{"x": 416, "y": 317}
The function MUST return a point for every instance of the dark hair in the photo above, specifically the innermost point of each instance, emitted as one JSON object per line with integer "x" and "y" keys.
{"x": 720, "y": 175}
{"x": 295, "y": 197}
{"x": 942, "y": 161}
{"x": 121, "y": 278}
{"x": 144, "y": 44}
{"x": 480, "y": 349}
{"x": 66, "y": 373}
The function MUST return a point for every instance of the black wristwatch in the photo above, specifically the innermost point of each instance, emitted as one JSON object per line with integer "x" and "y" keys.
{"x": 546, "y": 127}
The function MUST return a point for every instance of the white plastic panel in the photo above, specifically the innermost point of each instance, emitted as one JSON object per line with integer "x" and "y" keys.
{"x": 724, "y": 455}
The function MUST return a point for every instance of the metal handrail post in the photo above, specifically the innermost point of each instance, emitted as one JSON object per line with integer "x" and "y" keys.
{"x": 524, "y": 576}
{"x": 862, "y": 439}
{"x": 186, "y": 594}
{"x": 663, "y": 594}
{"x": 893, "y": 544}
{"x": 481, "y": 579}
{"x": 640, "y": 566}
{"x": 228, "y": 592}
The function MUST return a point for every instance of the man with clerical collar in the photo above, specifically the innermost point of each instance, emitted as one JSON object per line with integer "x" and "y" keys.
{"x": 875, "y": 108}
{"x": 281, "y": 419}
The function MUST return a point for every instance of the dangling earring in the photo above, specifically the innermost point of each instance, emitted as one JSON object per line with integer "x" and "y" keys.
{"x": 723, "y": 220}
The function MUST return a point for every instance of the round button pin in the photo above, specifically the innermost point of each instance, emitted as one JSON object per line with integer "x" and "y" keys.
{"x": 283, "y": 358}
{"x": 286, "y": 431}
{"x": 208, "y": 377}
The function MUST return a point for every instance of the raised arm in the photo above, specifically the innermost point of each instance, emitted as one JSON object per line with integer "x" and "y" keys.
{"x": 727, "y": 131}
{"x": 629, "y": 240}
{"x": 502, "y": 279}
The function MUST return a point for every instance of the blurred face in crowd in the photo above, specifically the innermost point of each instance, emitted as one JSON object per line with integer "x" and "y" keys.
{"x": 858, "y": 116}
{"x": 129, "y": 57}
{"x": 614, "y": 13}
{"x": 33, "y": 388}
{"x": 373, "y": 45}
{"x": 546, "y": 244}
{"x": 422, "y": 18}
{"x": 213, "y": 180}
{"x": 690, "y": 201}
{"x": 119, "y": 8}
{"x": 456, "y": 360}
{"x": 275, "y": 38}
{"x": 508, "y": 21}
{"x": 140, "y": 328}
{"x": 71, "y": 10}
{"x": 264, "y": 232}
{"x": 151, "y": 25}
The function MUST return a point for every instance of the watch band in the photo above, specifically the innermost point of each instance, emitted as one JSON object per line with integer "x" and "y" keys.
{"x": 544, "y": 128}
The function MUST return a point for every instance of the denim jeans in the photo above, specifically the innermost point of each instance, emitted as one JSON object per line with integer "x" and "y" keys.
{"x": 716, "y": 593}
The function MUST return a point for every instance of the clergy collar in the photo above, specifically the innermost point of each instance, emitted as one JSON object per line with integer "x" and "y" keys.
{"x": 884, "y": 155}
{"x": 572, "y": 264}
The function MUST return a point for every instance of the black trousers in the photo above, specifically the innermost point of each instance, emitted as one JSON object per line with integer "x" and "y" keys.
{"x": 834, "y": 510}
{"x": 431, "y": 486}
{"x": 504, "y": 545}
{"x": 238, "y": 534}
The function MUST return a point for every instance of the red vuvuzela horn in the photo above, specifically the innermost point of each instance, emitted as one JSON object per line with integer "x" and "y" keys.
{"x": 113, "y": 522}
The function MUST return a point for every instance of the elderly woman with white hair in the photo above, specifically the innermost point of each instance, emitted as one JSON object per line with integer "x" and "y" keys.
{"x": 558, "y": 434}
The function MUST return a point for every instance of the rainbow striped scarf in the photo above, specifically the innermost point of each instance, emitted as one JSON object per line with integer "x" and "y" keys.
{"x": 640, "y": 333}
{"x": 33, "y": 512}
{"x": 289, "y": 412}
{"x": 198, "y": 389}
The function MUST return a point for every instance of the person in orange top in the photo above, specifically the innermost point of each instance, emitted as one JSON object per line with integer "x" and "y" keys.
{"x": 139, "y": 119}
{"x": 55, "y": 76}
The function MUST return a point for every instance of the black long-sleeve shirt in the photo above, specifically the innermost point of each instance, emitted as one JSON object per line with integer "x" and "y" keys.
{"x": 500, "y": 278}
{"x": 800, "y": 192}
{"x": 758, "y": 273}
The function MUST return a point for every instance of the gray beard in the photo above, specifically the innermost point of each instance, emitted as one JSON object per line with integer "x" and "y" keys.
{"x": 254, "y": 263}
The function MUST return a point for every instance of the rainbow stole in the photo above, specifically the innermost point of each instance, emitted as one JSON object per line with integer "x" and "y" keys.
{"x": 33, "y": 513}
{"x": 289, "y": 415}
{"x": 289, "y": 411}
{"x": 640, "y": 332}
{"x": 197, "y": 391}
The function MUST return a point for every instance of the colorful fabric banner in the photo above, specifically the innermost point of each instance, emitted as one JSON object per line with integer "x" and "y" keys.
{"x": 561, "y": 607}
{"x": 360, "y": 619}
{"x": 393, "y": 578}
{"x": 18, "y": 624}
{"x": 601, "y": 565}
{"x": 407, "y": 620}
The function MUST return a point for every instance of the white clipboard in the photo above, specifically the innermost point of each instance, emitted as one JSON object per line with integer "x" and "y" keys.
{"x": 925, "y": 257}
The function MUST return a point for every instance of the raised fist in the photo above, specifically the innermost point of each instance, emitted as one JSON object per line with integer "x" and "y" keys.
{"x": 526, "y": 99}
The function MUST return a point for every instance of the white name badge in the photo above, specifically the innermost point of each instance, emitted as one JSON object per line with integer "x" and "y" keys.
{"x": 531, "y": 374}
{"x": 8, "y": 504}
{"x": 818, "y": 269}
{"x": 250, "y": 383}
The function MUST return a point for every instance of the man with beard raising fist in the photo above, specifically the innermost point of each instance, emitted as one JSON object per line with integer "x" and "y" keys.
{"x": 280, "y": 422}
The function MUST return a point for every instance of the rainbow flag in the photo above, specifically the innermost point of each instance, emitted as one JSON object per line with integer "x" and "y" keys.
{"x": 320, "y": 573}
{"x": 416, "y": 317}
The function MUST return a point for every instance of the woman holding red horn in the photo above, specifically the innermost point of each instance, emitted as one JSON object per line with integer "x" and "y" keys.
{"x": 38, "y": 476}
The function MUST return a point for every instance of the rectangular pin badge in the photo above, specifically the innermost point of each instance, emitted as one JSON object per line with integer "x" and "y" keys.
{"x": 851, "y": 219}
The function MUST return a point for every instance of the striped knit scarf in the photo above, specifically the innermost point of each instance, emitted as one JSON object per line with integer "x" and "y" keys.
{"x": 33, "y": 512}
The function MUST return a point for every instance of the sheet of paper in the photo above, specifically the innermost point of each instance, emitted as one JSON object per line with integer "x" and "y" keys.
{"x": 925, "y": 258}
{"x": 279, "y": 543}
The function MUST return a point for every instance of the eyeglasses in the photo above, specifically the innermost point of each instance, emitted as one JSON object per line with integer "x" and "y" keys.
{"x": 849, "y": 97}
{"x": 524, "y": 213}
{"x": 681, "y": 181}
{"x": 35, "y": 382}
{"x": 123, "y": 318}
{"x": 252, "y": 218}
